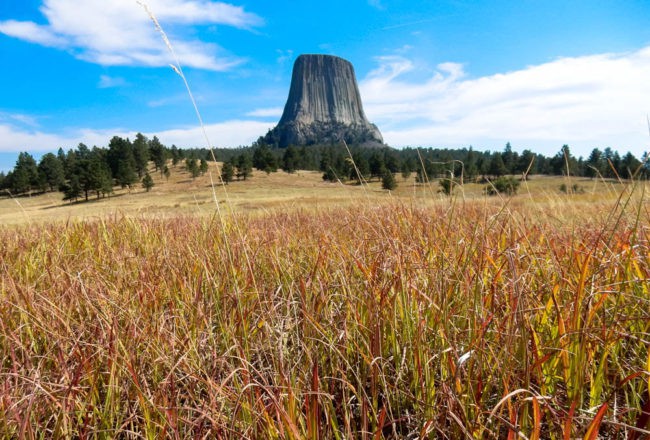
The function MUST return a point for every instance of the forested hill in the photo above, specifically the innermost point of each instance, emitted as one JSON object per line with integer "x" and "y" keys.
{"x": 84, "y": 172}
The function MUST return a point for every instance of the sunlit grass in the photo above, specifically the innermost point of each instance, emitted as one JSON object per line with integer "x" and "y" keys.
{"x": 481, "y": 318}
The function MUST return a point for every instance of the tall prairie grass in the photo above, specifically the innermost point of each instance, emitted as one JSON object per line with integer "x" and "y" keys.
{"x": 474, "y": 319}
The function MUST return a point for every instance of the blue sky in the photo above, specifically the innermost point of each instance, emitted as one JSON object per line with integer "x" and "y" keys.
{"x": 450, "y": 73}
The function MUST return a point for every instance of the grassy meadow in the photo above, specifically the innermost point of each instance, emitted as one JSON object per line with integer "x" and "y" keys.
{"x": 294, "y": 308}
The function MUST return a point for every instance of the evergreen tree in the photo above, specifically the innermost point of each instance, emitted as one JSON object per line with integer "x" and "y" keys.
{"x": 60, "y": 154}
{"x": 176, "y": 155}
{"x": 50, "y": 171}
{"x": 616, "y": 169}
{"x": 192, "y": 166}
{"x": 497, "y": 168}
{"x": 290, "y": 160}
{"x": 25, "y": 175}
{"x": 509, "y": 159}
{"x": 408, "y": 166}
{"x": 147, "y": 182}
{"x": 594, "y": 165}
{"x": 645, "y": 168}
{"x": 98, "y": 176}
{"x": 264, "y": 159}
{"x": 526, "y": 163}
{"x": 306, "y": 160}
{"x": 141, "y": 154}
{"x": 388, "y": 181}
{"x": 2, "y": 180}
{"x": 203, "y": 167}
{"x": 157, "y": 153}
{"x": 563, "y": 162}
{"x": 72, "y": 190}
{"x": 470, "y": 165}
{"x": 376, "y": 165}
{"x": 629, "y": 166}
{"x": 244, "y": 165}
{"x": 359, "y": 168}
{"x": 121, "y": 161}
{"x": 391, "y": 160}
{"x": 69, "y": 164}
{"x": 227, "y": 172}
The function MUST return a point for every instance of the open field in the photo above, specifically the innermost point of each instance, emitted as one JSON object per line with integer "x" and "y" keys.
{"x": 303, "y": 310}
{"x": 180, "y": 195}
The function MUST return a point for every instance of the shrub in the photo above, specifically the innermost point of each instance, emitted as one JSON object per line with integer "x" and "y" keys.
{"x": 502, "y": 185}
{"x": 447, "y": 185}
{"x": 575, "y": 189}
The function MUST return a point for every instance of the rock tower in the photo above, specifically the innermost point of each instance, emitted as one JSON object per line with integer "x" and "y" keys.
{"x": 324, "y": 106}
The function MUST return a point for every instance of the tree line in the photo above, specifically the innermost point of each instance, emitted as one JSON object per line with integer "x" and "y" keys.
{"x": 85, "y": 172}
{"x": 338, "y": 162}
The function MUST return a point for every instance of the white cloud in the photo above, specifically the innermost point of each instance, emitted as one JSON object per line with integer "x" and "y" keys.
{"x": 586, "y": 102}
{"x": 119, "y": 32}
{"x": 225, "y": 134}
{"x": 106, "y": 82}
{"x": 29, "y": 31}
{"x": 14, "y": 139}
{"x": 271, "y": 112}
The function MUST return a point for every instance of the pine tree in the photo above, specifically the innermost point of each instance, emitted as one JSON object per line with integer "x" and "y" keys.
{"x": 121, "y": 161}
{"x": 244, "y": 166}
{"x": 99, "y": 177}
{"x": 594, "y": 165}
{"x": 376, "y": 165}
{"x": 264, "y": 159}
{"x": 147, "y": 182}
{"x": 72, "y": 190}
{"x": 141, "y": 154}
{"x": 497, "y": 167}
{"x": 388, "y": 181}
{"x": 50, "y": 171}
{"x": 158, "y": 153}
{"x": 193, "y": 167}
{"x": 290, "y": 160}
{"x": 227, "y": 172}
{"x": 203, "y": 167}
{"x": 25, "y": 175}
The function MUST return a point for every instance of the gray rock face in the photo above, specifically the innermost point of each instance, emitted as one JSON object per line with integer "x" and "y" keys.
{"x": 324, "y": 106}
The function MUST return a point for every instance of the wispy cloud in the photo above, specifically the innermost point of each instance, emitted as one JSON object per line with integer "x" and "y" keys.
{"x": 272, "y": 112}
{"x": 106, "y": 82}
{"x": 587, "y": 102}
{"x": 33, "y": 33}
{"x": 22, "y": 119}
{"x": 119, "y": 32}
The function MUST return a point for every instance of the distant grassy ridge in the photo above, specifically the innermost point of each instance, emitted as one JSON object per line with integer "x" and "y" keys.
{"x": 480, "y": 318}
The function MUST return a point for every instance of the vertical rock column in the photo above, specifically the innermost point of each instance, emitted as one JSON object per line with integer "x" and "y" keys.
{"x": 324, "y": 105}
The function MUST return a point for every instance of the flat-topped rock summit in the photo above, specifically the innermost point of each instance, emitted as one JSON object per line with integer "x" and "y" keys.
{"x": 324, "y": 106}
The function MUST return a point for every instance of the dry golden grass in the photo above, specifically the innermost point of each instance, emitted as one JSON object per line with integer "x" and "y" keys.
{"x": 304, "y": 309}
{"x": 367, "y": 316}
{"x": 181, "y": 195}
